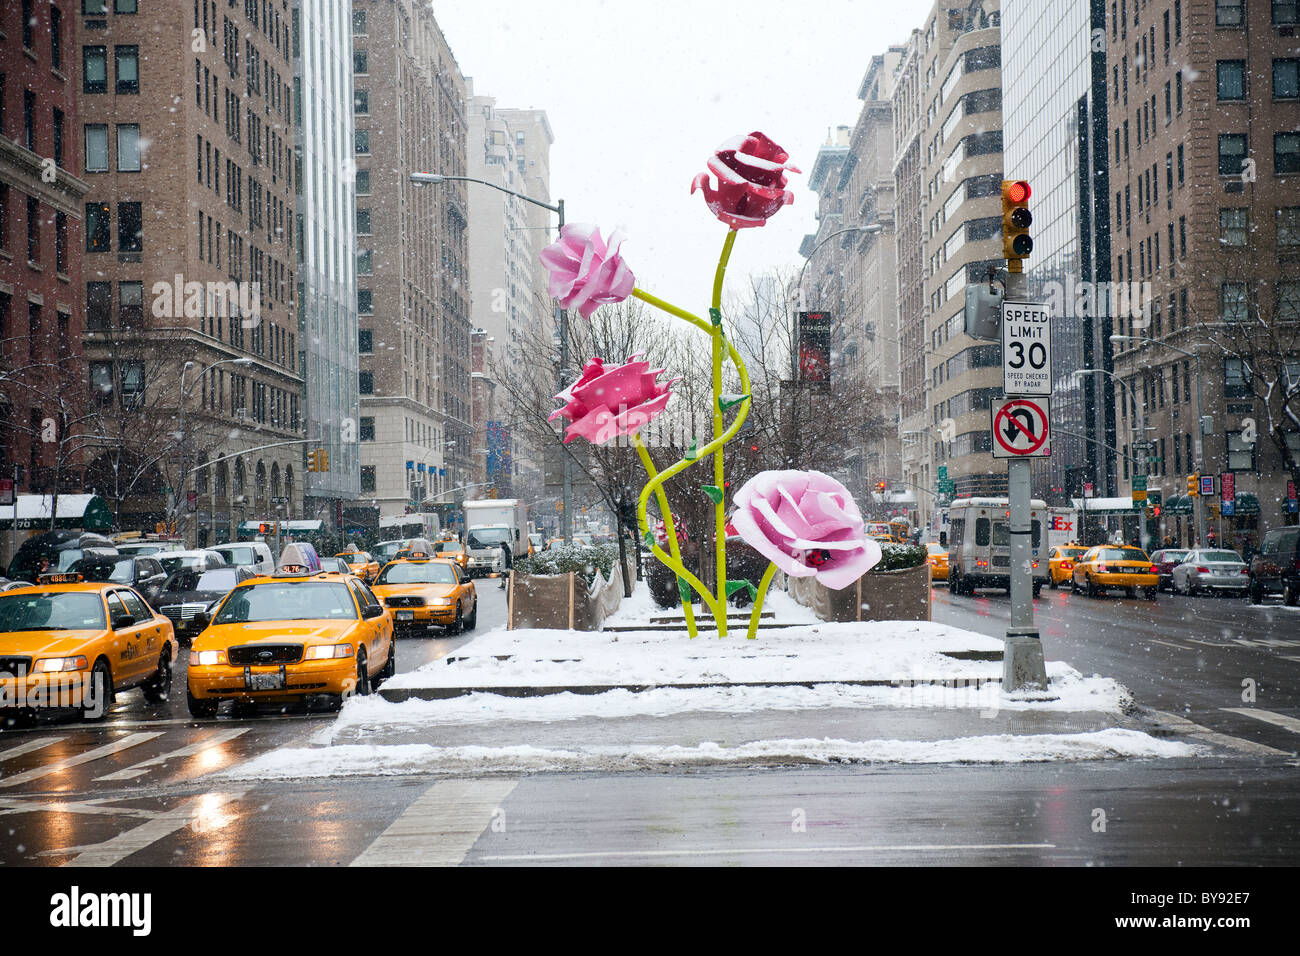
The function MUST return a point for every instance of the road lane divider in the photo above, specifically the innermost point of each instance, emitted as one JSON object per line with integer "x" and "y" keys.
{"x": 441, "y": 826}
{"x": 1181, "y": 725}
{"x": 189, "y": 750}
{"x": 97, "y": 753}
{"x": 1277, "y": 720}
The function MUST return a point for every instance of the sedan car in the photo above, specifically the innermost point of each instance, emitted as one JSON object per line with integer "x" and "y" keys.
{"x": 1165, "y": 562}
{"x": 361, "y": 564}
{"x": 66, "y": 642}
{"x": 290, "y": 636}
{"x": 1211, "y": 570}
{"x": 200, "y": 560}
{"x": 421, "y": 591}
{"x": 1114, "y": 566}
{"x": 190, "y": 592}
{"x": 937, "y": 557}
{"x": 1060, "y": 563}
{"x": 143, "y": 572}
{"x": 453, "y": 551}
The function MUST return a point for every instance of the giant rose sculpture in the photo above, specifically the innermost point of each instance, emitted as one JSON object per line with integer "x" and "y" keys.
{"x": 805, "y": 523}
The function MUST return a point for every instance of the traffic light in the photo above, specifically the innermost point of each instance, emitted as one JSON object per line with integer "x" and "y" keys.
{"x": 1016, "y": 220}
{"x": 1193, "y": 485}
{"x": 318, "y": 460}
{"x": 880, "y": 487}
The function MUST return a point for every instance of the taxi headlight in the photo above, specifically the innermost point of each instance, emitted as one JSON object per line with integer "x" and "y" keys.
{"x": 207, "y": 658}
{"x": 50, "y": 665}
{"x": 327, "y": 651}
{"x": 440, "y": 602}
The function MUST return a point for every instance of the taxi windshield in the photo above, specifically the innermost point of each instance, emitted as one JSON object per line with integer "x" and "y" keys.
{"x": 443, "y": 547}
{"x": 1071, "y": 552}
{"x": 422, "y": 573}
{"x": 1121, "y": 554}
{"x": 275, "y": 601}
{"x": 70, "y": 611}
{"x": 936, "y": 549}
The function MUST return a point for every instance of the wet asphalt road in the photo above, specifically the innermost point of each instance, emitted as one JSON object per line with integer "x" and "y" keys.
{"x": 139, "y": 789}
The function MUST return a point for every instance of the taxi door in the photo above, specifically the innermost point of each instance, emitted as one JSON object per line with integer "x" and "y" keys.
{"x": 128, "y": 657}
{"x": 375, "y": 632}
{"x": 468, "y": 585}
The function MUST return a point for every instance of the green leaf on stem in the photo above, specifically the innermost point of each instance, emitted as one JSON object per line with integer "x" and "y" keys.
{"x": 715, "y": 316}
{"x": 730, "y": 400}
{"x": 734, "y": 586}
{"x": 684, "y": 589}
{"x": 691, "y": 453}
{"x": 714, "y": 493}
{"x": 649, "y": 539}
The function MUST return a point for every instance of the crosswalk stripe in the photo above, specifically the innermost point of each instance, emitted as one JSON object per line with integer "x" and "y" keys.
{"x": 1191, "y": 729}
{"x": 117, "y": 746}
{"x": 442, "y": 824}
{"x": 216, "y": 740}
{"x": 28, "y": 747}
{"x": 1278, "y": 720}
{"x": 114, "y": 851}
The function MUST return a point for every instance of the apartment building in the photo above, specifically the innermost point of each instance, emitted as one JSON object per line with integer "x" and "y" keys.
{"x": 191, "y": 330}
{"x": 1205, "y": 176}
{"x": 417, "y": 438}
{"x": 42, "y": 373}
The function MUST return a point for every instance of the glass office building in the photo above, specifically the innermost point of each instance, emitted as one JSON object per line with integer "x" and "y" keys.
{"x": 1055, "y": 137}
{"x": 326, "y": 240}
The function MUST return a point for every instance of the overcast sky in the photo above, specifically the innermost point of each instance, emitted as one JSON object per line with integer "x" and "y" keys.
{"x": 639, "y": 95}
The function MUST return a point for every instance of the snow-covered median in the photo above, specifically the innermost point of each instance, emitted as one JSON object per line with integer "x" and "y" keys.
{"x": 364, "y": 760}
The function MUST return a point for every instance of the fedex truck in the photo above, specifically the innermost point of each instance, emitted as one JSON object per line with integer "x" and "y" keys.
{"x": 488, "y": 523}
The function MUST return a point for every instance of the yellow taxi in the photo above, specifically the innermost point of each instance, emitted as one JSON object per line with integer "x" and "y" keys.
{"x": 361, "y": 564}
{"x": 1114, "y": 566}
{"x": 65, "y": 642}
{"x": 291, "y": 635}
{"x": 421, "y": 590}
{"x": 937, "y": 557}
{"x": 1060, "y": 563}
{"x": 453, "y": 551}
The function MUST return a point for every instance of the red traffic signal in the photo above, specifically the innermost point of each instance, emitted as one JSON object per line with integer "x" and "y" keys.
{"x": 1018, "y": 191}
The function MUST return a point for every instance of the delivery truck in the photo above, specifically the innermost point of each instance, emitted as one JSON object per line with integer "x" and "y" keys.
{"x": 488, "y": 523}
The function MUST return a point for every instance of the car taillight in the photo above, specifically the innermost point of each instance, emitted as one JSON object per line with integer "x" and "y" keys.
{"x": 1101, "y": 569}
{"x": 1067, "y": 566}
{"x": 1245, "y": 570}
{"x": 1153, "y": 570}
{"x": 1202, "y": 570}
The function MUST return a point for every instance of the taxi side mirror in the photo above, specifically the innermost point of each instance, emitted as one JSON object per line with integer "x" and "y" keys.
{"x": 122, "y": 620}
{"x": 201, "y": 620}
{"x": 372, "y": 611}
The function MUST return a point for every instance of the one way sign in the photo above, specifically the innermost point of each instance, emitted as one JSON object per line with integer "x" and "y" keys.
{"x": 1021, "y": 428}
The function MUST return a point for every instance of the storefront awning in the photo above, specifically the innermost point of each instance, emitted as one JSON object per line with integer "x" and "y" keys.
{"x": 1179, "y": 504}
{"x": 76, "y": 512}
{"x": 286, "y": 527}
{"x": 1106, "y": 506}
{"x": 1245, "y": 504}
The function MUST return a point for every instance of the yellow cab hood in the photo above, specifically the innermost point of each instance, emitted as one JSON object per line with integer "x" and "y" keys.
{"x": 34, "y": 644}
{"x": 274, "y": 632}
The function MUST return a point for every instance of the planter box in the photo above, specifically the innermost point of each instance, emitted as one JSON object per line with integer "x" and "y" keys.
{"x": 562, "y": 601}
{"x": 884, "y": 596}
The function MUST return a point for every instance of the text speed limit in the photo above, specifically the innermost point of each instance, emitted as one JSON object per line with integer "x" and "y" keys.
{"x": 1026, "y": 349}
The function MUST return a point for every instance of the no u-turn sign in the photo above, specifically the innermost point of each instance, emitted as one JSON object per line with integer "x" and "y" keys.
{"x": 1021, "y": 428}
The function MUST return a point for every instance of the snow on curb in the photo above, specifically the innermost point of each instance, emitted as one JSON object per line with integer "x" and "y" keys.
{"x": 376, "y": 760}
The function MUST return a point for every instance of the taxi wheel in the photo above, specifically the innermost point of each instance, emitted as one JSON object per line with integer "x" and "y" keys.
{"x": 1051, "y": 581}
{"x": 458, "y": 625}
{"x": 1038, "y": 588}
{"x": 363, "y": 677}
{"x": 201, "y": 708}
{"x": 100, "y": 698}
{"x": 1091, "y": 588}
{"x": 472, "y": 621}
{"x": 1074, "y": 585}
{"x": 1130, "y": 592}
{"x": 390, "y": 666}
{"x": 1290, "y": 595}
{"x": 158, "y": 689}
{"x": 1256, "y": 593}
{"x": 1150, "y": 593}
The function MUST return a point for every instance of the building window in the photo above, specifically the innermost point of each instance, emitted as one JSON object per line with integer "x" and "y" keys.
{"x": 1232, "y": 227}
{"x": 363, "y": 182}
{"x": 1233, "y": 301}
{"x": 1286, "y": 153}
{"x": 1288, "y": 226}
{"x": 130, "y": 227}
{"x": 128, "y": 148}
{"x": 363, "y": 222}
{"x": 360, "y": 61}
{"x": 368, "y": 478}
{"x": 99, "y": 306}
{"x": 130, "y": 304}
{"x": 366, "y": 383}
{"x": 125, "y": 6}
{"x": 94, "y": 69}
{"x": 1241, "y": 454}
{"x": 365, "y": 302}
{"x": 1180, "y": 165}
{"x": 96, "y": 136}
{"x": 60, "y": 243}
{"x": 1286, "y": 79}
{"x": 1232, "y": 153}
{"x": 1287, "y": 308}
{"x": 33, "y": 229}
{"x": 367, "y": 428}
{"x": 362, "y": 140}
{"x": 1286, "y": 13}
{"x": 1227, "y": 13}
{"x": 132, "y": 384}
{"x": 126, "y": 64}
{"x": 101, "y": 382}
{"x": 361, "y": 101}
{"x": 29, "y": 120}
{"x": 94, "y": 8}
{"x": 365, "y": 341}
{"x": 1232, "y": 79}
{"x": 365, "y": 262}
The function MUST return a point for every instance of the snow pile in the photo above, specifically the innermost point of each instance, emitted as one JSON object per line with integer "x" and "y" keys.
{"x": 371, "y": 760}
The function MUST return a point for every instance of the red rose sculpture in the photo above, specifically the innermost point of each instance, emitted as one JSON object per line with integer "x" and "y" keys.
{"x": 751, "y": 181}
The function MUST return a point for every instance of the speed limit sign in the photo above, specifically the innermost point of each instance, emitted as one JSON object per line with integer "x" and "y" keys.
{"x": 1026, "y": 349}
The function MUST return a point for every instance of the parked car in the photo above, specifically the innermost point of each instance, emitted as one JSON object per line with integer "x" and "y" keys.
{"x": 1165, "y": 560}
{"x": 149, "y": 547}
{"x": 251, "y": 554}
{"x": 1114, "y": 566}
{"x": 54, "y": 551}
{"x": 143, "y": 572}
{"x": 1275, "y": 567}
{"x": 200, "y": 560}
{"x": 188, "y": 591}
{"x": 335, "y": 563}
{"x": 1060, "y": 563}
{"x": 1211, "y": 570}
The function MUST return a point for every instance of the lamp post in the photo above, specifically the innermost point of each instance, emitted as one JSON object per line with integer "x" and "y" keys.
{"x": 181, "y": 472}
{"x": 558, "y": 209}
{"x": 1197, "y": 434}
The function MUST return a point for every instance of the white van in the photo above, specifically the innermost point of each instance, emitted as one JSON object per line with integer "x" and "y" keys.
{"x": 979, "y": 544}
{"x": 247, "y": 554}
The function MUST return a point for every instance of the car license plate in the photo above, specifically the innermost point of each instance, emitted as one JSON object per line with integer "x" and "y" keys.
{"x": 406, "y": 615}
{"x": 274, "y": 681}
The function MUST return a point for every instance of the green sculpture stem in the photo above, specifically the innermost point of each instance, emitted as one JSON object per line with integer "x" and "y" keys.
{"x": 758, "y": 601}
{"x": 719, "y": 474}
{"x": 675, "y": 564}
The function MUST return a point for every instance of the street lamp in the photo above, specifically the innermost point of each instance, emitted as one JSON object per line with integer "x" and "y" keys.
{"x": 1200, "y": 423}
{"x": 181, "y": 494}
{"x": 434, "y": 179}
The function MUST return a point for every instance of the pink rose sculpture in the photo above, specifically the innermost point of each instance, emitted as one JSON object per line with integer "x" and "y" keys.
{"x": 587, "y": 271}
{"x": 607, "y": 402}
{"x": 751, "y": 181}
{"x": 807, "y": 524}
{"x": 661, "y": 531}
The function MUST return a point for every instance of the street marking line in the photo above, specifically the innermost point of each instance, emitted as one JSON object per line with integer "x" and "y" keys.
{"x": 107, "y": 750}
{"x": 1181, "y": 647}
{"x": 1278, "y": 720}
{"x": 13, "y": 805}
{"x": 749, "y": 851}
{"x": 28, "y": 747}
{"x": 441, "y": 826}
{"x": 130, "y": 773}
{"x": 114, "y": 851}
{"x": 1184, "y": 726}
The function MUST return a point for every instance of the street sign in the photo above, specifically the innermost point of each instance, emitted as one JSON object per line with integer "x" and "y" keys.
{"x": 1291, "y": 502}
{"x": 943, "y": 472}
{"x": 1207, "y": 486}
{"x": 1087, "y": 489}
{"x": 1139, "y": 487}
{"x": 191, "y": 501}
{"x": 1228, "y": 492}
{"x": 1021, "y": 428}
{"x": 1026, "y": 349}
{"x": 6, "y": 491}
